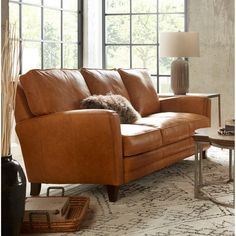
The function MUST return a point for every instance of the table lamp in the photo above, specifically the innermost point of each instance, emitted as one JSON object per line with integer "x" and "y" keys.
{"x": 179, "y": 44}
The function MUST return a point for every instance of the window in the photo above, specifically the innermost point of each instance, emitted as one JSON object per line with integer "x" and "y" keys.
{"x": 131, "y": 29}
{"x": 50, "y": 32}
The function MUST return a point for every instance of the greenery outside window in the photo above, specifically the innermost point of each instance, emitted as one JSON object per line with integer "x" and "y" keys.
{"x": 131, "y": 31}
{"x": 50, "y": 32}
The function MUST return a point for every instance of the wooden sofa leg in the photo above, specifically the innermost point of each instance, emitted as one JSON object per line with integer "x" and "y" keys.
{"x": 113, "y": 192}
{"x": 35, "y": 189}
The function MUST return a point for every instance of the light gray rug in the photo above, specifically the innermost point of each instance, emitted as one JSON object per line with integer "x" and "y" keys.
{"x": 161, "y": 204}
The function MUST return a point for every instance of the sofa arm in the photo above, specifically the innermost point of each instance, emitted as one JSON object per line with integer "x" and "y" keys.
{"x": 81, "y": 146}
{"x": 191, "y": 104}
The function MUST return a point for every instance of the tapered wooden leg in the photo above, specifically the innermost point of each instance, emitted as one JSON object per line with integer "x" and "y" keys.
{"x": 35, "y": 189}
{"x": 113, "y": 192}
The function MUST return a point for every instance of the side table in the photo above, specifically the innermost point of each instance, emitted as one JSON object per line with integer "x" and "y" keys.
{"x": 211, "y": 136}
{"x": 209, "y": 95}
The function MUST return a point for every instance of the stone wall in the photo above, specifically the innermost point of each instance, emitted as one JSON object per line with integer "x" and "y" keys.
{"x": 213, "y": 71}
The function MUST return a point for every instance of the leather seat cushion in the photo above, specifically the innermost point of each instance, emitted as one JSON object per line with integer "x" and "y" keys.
{"x": 195, "y": 121}
{"x": 53, "y": 90}
{"x": 138, "y": 139}
{"x": 175, "y": 126}
{"x": 102, "y": 82}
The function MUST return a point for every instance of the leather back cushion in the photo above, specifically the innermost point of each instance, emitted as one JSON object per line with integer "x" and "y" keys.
{"x": 142, "y": 93}
{"x": 101, "y": 82}
{"x": 53, "y": 90}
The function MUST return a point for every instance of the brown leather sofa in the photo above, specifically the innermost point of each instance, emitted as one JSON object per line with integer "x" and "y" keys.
{"x": 62, "y": 144}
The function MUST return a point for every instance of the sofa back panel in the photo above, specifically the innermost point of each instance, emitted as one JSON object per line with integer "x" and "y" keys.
{"x": 101, "y": 82}
{"x": 142, "y": 93}
{"x": 53, "y": 90}
{"x": 22, "y": 111}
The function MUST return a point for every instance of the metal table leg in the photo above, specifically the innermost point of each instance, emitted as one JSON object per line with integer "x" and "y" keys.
{"x": 200, "y": 165}
{"x": 230, "y": 166}
{"x": 196, "y": 178}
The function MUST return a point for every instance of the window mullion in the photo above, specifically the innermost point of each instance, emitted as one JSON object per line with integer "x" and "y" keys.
{"x": 158, "y": 72}
{"x": 131, "y": 40}
{"x": 62, "y": 42}
{"x": 79, "y": 33}
{"x": 20, "y": 36}
{"x": 42, "y": 34}
{"x": 185, "y": 15}
{"x": 103, "y": 35}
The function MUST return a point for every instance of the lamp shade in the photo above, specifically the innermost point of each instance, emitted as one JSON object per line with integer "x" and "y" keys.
{"x": 179, "y": 44}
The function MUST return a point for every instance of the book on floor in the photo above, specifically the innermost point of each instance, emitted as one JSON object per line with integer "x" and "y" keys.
{"x": 230, "y": 125}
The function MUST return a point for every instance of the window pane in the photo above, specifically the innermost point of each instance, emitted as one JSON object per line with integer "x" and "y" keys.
{"x": 31, "y": 22}
{"x": 52, "y": 55}
{"x": 14, "y": 16}
{"x": 52, "y": 23}
{"x": 144, "y": 29}
{"x": 70, "y": 27}
{"x": 145, "y": 57}
{"x": 148, "y": 19}
{"x": 70, "y": 56}
{"x": 42, "y": 29}
{"x": 70, "y": 5}
{"x": 38, "y": 2}
{"x": 171, "y": 22}
{"x": 117, "y": 29}
{"x": 164, "y": 85}
{"x": 52, "y": 3}
{"x": 171, "y": 5}
{"x": 165, "y": 65}
{"x": 117, "y": 6}
{"x": 144, "y": 6}
{"x": 117, "y": 57}
{"x": 31, "y": 58}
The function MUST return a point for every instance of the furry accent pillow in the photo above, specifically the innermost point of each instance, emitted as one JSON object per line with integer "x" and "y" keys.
{"x": 117, "y": 103}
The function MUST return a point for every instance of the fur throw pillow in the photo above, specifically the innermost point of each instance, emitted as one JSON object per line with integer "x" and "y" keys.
{"x": 118, "y": 103}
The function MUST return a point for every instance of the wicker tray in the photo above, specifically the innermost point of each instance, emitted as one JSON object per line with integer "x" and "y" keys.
{"x": 78, "y": 208}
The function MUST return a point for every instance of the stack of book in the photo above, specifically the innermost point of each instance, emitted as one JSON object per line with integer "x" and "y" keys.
{"x": 230, "y": 125}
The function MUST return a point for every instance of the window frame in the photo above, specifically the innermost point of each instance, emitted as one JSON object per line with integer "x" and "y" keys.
{"x": 130, "y": 44}
{"x": 42, "y": 40}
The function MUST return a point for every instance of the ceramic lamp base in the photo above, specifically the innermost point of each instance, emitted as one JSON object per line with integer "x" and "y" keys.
{"x": 179, "y": 76}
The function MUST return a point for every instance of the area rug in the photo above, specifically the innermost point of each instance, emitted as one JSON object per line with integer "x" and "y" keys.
{"x": 161, "y": 204}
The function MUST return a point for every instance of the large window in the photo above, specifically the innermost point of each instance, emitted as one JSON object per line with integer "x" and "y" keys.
{"x": 131, "y": 30}
{"x": 50, "y": 32}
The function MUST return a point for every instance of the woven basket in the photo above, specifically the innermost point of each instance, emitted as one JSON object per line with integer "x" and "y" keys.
{"x": 78, "y": 208}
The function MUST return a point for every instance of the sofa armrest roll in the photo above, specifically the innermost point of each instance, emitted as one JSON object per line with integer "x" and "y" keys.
{"x": 66, "y": 147}
{"x": 191, "y": 104}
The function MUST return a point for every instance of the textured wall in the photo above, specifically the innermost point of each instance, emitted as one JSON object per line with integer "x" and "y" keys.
{"x": 213, "y": 71}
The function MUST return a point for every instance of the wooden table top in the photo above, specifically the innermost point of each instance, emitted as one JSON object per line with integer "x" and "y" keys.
{"x": 211, "y": 136}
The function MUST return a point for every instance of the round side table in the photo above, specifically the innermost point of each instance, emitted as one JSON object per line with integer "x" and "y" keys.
{"x": 210, "y": 136}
